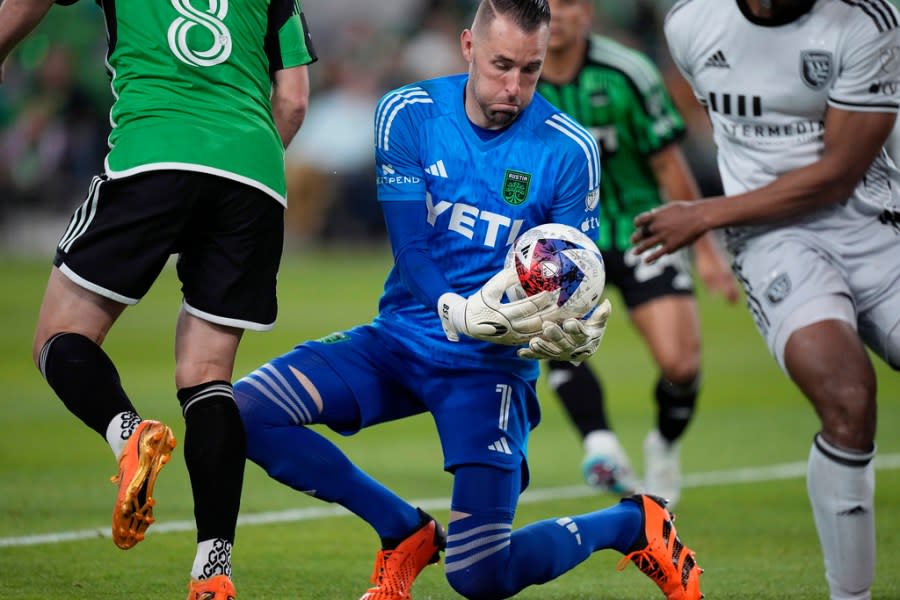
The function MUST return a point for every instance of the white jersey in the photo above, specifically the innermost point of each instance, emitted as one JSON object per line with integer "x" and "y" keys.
{"x": 768, "y": 86}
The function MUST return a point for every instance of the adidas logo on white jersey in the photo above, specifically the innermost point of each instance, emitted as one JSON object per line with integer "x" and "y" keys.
{"x": 437, "y": 169}
{"x": 501, "y": 446}
{"x": 717, "y": 60}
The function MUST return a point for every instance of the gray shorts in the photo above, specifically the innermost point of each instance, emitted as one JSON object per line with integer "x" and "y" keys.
{"x": 795, "y": 276}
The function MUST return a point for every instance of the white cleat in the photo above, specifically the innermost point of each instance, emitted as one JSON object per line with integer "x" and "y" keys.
{"x": 662, "y": 468}
{"x": 605, "y": 465}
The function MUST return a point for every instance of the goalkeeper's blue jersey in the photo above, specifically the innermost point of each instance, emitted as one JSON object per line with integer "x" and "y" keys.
{"x": 478, "y": 192}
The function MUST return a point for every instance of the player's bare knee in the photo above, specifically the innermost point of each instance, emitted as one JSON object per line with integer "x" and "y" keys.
{"x": 848, "y": 415}
{"x": 681, "y": 372}
{"x": 679, "y": 363}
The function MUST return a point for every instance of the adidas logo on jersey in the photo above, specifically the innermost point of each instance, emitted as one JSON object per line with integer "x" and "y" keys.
{"x": 501, "y": 446}
{"x": 717, "y": 60}
{"x": 437, "y": 169}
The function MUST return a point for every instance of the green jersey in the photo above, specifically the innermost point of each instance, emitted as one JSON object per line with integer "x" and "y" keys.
{"x": 191, "y": 81}
{"x": 619, "y": 95}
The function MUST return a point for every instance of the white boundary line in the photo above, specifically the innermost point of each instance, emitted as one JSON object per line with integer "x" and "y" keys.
{"x": 792, "y": 470}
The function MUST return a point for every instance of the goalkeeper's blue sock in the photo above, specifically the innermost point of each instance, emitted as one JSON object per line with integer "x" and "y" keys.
{"x": 486, "y": 559}
{"x": 306, "y": 461}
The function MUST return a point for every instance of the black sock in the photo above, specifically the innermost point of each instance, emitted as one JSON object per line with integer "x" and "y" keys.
{"x": 581, "y": 393}
{"x": 85, "y": 379}
{"x": 675, "y": 406}
{"x": 215, "y": 449}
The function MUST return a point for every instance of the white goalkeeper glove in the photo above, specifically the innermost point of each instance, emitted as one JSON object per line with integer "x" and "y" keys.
{"x": 484, "y": 316}
{"x": 574, "y": 341}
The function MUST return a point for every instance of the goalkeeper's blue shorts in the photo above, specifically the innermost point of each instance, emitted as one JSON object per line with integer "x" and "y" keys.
{"x": 364, "y": 376}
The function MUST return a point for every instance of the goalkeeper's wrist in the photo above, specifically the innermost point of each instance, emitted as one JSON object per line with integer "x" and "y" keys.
{"x": 451, "y": 309}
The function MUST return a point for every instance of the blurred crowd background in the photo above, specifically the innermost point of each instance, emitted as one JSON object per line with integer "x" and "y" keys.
{"x": 55, "y": 99}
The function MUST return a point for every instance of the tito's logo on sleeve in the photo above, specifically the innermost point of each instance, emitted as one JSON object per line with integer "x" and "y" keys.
{"x": 515, "y": 187}
{"x": 212, "y": 20}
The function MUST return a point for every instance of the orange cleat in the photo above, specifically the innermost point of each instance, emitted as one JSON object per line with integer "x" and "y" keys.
{"x": 214, "y": 588}
{"x": 145, "y": 453}
{"x": 660, "y": 555}
{"x": 396, "y": 570}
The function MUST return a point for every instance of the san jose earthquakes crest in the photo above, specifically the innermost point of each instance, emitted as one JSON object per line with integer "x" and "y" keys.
{"x": 816, "y": 68}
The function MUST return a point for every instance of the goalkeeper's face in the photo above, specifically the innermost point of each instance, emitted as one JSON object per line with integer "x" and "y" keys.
{"x": 504, "y": 66}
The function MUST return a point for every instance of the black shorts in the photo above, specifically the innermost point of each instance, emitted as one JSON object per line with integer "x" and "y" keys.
{"x": 228, "y": 236}
{"x": 639, "y": 282}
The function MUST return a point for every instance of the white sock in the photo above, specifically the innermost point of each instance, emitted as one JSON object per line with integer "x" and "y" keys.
{"x": 841, "y": 488}
{"x": 120, "y": 429}
{"x": 600, "y": 441}
{"x": 213, "y": 558}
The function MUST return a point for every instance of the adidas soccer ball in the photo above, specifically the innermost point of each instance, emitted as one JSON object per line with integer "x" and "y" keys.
{"x": 554, "y": 257}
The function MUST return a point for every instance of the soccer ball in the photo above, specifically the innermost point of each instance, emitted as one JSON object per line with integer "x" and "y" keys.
{"x": 554, "y": 257}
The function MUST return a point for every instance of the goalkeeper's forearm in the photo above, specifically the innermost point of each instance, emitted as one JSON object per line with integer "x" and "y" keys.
{"x": 408, "y": 233}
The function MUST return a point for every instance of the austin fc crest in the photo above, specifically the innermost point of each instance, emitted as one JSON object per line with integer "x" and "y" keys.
{"x": 816, "y": 68}
{"x": 515, "y": 187}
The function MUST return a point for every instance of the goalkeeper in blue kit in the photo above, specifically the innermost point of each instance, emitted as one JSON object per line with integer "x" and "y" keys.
{"x": 464, "y": 164}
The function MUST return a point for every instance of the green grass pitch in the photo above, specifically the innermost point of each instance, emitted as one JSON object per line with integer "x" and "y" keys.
{"x": 756, "y": 540}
